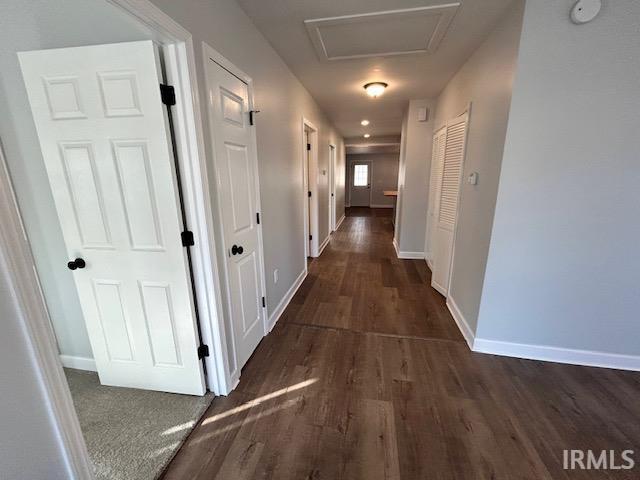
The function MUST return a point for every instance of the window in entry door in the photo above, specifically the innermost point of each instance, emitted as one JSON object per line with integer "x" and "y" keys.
{"x": 360, "y": 175}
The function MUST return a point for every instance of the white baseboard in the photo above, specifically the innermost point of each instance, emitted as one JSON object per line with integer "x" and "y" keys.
{"x": 273, "y": 317}
{"x": 407, "y": 255}
{"x": 380, "y": 206}
{"x": 340, "y": 221}
{"x": 545, "y": 353}
{"x": 79, "y": 363}
{"x": 324, "y": 244}
{"x": 463, "y": 326}
{"x": 588, "y": 358}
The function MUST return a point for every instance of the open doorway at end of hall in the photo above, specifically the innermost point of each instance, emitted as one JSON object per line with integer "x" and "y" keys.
{"x": 372, "y": 179}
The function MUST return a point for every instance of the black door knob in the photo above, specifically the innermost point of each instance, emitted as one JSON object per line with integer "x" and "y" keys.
{"x": 237, "y": 250}
{"x": 77, "y": 263}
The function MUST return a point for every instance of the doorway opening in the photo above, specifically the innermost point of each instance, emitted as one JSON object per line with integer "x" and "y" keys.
{"x": 310, "y": 190}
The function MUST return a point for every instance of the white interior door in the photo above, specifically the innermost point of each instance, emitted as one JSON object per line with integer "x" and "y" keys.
{"x": 452, "y": 165}
{"x": 104, "y": 140}
{"x": 435, "y": 179}
{"x": 332, "y": 188}
{"x": 307, "y": 136}
{"x": 236, "y": 167}
{"x": 360, "y": 184}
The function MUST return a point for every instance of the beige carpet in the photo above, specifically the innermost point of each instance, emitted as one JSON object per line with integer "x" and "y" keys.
{"x": 132, "y": 434}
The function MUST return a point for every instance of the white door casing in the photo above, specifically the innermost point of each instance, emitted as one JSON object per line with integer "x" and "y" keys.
{"x": 449, "y": 195}
{"x": 360, "y": 194}
{"x": 236, "y": 172}
{"x": 332, "y": 188}
{"x": 104, "y": 140}
{"x": 437, "y": 157}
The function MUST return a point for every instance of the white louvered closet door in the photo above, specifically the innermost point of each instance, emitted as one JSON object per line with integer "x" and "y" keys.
{"x": 449, "y": 194}
{"x": 437, "y": 157}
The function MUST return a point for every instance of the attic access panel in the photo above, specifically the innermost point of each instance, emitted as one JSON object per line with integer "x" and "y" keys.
{"x": 395, "y": 32}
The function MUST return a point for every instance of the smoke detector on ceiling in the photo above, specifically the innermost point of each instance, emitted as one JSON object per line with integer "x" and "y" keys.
{"x": 585, "y": 10}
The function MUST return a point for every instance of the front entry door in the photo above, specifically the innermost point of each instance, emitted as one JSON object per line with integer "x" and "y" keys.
{"x": 236, "y": 168}
{"x": 361, "y": 184}
{"x": 104, "y": 141}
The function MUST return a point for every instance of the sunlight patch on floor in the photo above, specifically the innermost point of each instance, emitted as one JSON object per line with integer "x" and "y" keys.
{"x": 257, "y": 401}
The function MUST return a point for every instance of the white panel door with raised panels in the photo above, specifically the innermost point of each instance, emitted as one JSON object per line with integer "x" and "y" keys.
{"x": 104, "y": 141}
{"x": 449, "y": 194}
{"x": 236, "y": 168}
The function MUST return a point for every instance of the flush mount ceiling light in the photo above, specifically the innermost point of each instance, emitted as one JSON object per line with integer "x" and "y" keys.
{"x": 375, "y": 89}
{"x": 364, "y": 123}
{"x": 366, "y": 135}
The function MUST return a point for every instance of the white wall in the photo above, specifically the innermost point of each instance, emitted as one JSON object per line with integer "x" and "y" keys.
{"x": 486, "y": 82}
{"x": 384, "y": 175}
{"x": 563, "y": 266}
{"x": 34, "y": 25}
{"x": 413, "y": 179}
{"x": 282, "y": 101}
{"x": 29, "y": 445}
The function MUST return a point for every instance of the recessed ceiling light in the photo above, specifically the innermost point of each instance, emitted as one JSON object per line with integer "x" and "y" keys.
{"x": 364, "y": 123}
{"x": 375, "y": 89}
{"x": 366, "y": 135}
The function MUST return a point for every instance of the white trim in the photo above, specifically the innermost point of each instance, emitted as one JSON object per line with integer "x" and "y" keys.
{"x": 407, "y": 255}
{"x": 210, "y": 54}
{"x": 277, "y": 312}
{"x": 310, "y": 184}
{"x": 17, "y": 264}
{"x": 546, "y": 353}
{"x": 324, "y": 243}
{"x": 333, "y": 153}
{"x": 79, "y": 363}
{"x": 461, "y": 322}
{"x": 340, "y": 221}
{"x": 380, "y": 206}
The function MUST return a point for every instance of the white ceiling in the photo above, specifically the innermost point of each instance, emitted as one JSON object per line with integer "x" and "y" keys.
{"x": 337, "y": 84}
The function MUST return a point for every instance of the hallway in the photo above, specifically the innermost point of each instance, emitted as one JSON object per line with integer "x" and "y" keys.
{"x": 366, "y": 376}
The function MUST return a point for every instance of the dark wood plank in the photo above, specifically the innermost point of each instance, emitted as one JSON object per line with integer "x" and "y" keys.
{"x": 367, "y": 377}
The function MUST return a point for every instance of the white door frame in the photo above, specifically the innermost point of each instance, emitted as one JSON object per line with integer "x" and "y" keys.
{"x": 310, "y": 184}
{"x": 208, "y": 54}
{"x": 332, "y": 187}
{"x": 16, "y": 260}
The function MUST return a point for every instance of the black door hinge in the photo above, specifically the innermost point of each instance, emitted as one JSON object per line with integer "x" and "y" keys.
{"x": 264, "y": 302}
{"x": 203, "y": 351}
{"x": 308, "y": 146}
{"x": 187, "y": 239}
{"x": 168, "y": 94}
{"x": 258, "y": 217}
{"x": 309, "y": 194}
{"x": 251, "y": 115}
{"x": 310, "y": 237}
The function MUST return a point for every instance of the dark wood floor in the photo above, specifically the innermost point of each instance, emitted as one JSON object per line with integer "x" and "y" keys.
{"x": 367, "y": 377}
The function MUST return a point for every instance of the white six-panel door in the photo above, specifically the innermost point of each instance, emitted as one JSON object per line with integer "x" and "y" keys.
{"x": 104, "y": 141}
{"x": 447, "y": 206}
{"x": 236, "y": 169}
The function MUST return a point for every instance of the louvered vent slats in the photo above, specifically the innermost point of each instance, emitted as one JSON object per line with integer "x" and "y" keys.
{"x": 453, "y": 156}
